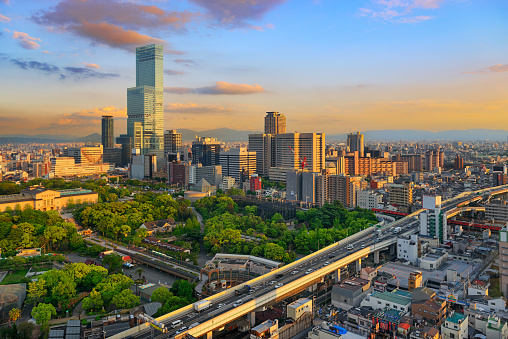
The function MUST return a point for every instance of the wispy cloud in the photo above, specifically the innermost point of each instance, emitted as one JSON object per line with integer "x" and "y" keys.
{"x": 194, "y": 108}
{"x": 7, "y": 2}
{"x": 499, "y": 68}
{"x": 3, "y": 18}
{"x": 83, "y": 72}
{"x": 89, "y": 65}
{"x": 400, "y": 11}
{"x": 173, "y": 72}
{"x": 74, "y": 72}
{"x": 220, "y": 87}
{"x": 114, "y": 23}
{"x": 237, "y": 14}
{"x": 25, "y": 40}
{"x": 36, "y": 65}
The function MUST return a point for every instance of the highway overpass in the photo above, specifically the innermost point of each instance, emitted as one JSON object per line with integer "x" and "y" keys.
{"x": 326, "y": 261}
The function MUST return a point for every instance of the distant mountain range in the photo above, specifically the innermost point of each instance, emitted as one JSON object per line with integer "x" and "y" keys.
{"x": 46, "y": 138}
{"x": 228, "y": 134}
{"x": 413, "y": 135}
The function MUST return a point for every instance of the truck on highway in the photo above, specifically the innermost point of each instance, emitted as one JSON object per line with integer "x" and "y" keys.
{"x": 202, "y": 305}
{"x": 245, "y": 289}
{"x": 397, "y": 230}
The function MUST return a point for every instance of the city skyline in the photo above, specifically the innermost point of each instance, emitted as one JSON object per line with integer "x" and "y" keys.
{"x": 367, "y": 65}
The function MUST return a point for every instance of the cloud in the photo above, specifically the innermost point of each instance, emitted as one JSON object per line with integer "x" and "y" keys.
{"x": 89, "y": 117}
{"x": 118, "y": 21}
{"x": 194, "y": 108}
{"x": 5, "y": 1}
{"x": 237, "y": 13}
{"x": 41, "y": 66}
{"x": 83, "y": 72}
{"x": 75, "y": 72}
{"x": 91, "y": 65}
{"x": 399, "y": 11}
{"x": 499, "y": 68}
{"x": 3, "y": 18}
{"x": 186, "y": 62}
{"x": 115, "y": 36}
{"x": 220, "y": 87}
{"x": 47, "y": 52}
{"x": 173, "y": 72}
{"x": 25, "y": 40}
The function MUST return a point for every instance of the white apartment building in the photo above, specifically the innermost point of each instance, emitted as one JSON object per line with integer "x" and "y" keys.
{"x": 368, "y": 199}
{"x": 407, "y": 249}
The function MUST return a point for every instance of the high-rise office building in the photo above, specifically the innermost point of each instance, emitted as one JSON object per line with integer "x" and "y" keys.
{"x": 275, "y": 123}
{"x": 126, "y": 141}
{"x": 205, "y": 151}
{"x": 108, "y": 131}
{"x": 263, "y": 144}
{"x": 238, "y": 163}
{"x": 145, "y": 102}
{"x": 172, "y": 141}
{"x": 503, "y": 261}
{"x": 355, "y": 143}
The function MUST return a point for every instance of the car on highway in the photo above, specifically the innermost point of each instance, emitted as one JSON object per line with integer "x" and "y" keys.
{"x": 279, "y": 285}
{"x": 331, "y": 256}
{"x": 278, "y": 276}
{"x": 221, "y": 305}
{"x": 180, "y": 330}
{"x": 193, "y": 325}
{"x": 326, "y": 263}
{"x": 309, "y": 270}
{"x": 238, "y": 303}
{"x": 363, "y": 246}
{"x": 273, "y": 282}
{"x": 294, "y": 272}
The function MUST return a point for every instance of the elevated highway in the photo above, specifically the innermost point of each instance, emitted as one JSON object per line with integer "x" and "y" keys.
{"x": 296, "y": 276}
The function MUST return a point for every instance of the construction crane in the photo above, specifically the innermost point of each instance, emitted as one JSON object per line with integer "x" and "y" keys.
{"x": 302, "y": 162}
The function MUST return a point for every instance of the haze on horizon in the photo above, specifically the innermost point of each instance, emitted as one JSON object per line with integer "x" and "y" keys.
{"x": 330, "y": 66}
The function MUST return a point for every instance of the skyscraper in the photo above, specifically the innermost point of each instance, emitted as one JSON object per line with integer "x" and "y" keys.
{"x": 145, "y": 102}
{"x": 275, "y": 123}
{"x": 108, "y": 131}
{"x": 172, "y": 141}
{"x": 355, "y": 143}
{"x": 205, "y": 151}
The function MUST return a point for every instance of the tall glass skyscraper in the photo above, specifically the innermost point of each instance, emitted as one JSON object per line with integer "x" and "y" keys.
{"x": 108, "y": 131}
{"x": 145, "y": 102}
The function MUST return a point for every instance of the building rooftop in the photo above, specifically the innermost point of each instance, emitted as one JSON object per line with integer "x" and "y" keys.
{"x": 396, "y": 296}
{"x": 456, "y": 318}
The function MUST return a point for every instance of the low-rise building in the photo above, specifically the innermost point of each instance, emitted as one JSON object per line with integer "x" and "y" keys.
{"x": 265, "y": 330}
{"x": 396, "y": 300}
{"x": 455, "y": 327}
{"x": 350, "y": 292}
{"x": 43, "y": 199}
{"x": 432, "y": 261}
{"x": 361, "y": 317}
{"x": 478, "y": 287}
{"x": 368, "y": 199}
{"x": 298, "y": 308}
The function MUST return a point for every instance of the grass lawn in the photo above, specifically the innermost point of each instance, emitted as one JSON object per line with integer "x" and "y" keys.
{"x": 14, "y": 278}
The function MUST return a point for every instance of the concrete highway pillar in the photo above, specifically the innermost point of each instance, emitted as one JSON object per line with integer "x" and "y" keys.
{"x": 337, "y": 275}
{"x": 393, "y": 248}
{"x": 358, "y": 265}
{"x": 252, "y": 318}
{"x": 376, "y": 257}
{"x": 208, "y": 335}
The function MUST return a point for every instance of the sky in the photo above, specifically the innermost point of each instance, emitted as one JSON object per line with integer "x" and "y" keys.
{"x": 331, "y": 66}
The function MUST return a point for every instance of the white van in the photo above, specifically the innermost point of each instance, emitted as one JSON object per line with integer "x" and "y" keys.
{"x": 176, "y": 323}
